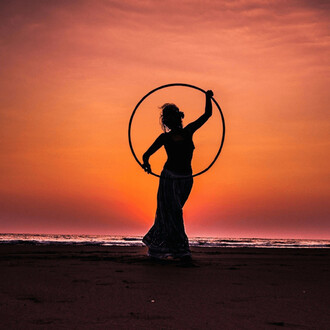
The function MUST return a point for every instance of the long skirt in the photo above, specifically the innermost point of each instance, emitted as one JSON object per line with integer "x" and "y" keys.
{"x": 167, "y": 236}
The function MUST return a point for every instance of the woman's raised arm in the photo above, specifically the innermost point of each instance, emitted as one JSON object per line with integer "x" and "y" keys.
{"x": 195, "y": 125}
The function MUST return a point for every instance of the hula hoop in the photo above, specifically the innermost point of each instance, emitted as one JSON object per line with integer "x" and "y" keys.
{"x": 171, "y": 85}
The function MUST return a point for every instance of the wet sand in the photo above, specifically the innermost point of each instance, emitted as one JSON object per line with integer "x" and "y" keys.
{"x": 92, "y": 287}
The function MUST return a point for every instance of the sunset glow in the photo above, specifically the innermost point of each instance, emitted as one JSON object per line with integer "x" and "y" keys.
{"x": 72, "y": 72}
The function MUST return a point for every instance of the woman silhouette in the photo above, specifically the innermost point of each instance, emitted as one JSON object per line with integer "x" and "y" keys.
{"x": 167, "y": 236}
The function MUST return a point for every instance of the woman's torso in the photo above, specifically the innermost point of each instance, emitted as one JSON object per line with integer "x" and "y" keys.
{"x": 179, "y": 147}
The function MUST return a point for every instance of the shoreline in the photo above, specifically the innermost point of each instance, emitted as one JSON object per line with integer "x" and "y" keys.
{"x": 119, "y": 240}
{"x": 99, "y": 287}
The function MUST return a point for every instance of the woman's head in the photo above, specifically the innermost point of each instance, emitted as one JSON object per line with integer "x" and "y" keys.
{"x": 171, "y": 117}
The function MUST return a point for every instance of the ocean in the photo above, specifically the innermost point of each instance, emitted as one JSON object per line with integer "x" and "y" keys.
{"x": 117, "y": 240}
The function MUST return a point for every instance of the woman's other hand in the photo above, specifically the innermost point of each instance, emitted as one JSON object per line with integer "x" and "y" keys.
{"x": 209, "y": 93}
{"x": 146, "y": 167}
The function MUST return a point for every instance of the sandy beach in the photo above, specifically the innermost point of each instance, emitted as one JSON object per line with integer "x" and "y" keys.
{"x": 93, "y": 287}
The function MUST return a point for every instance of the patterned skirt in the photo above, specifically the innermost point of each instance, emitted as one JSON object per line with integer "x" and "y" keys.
{"x": 167, "y": 236}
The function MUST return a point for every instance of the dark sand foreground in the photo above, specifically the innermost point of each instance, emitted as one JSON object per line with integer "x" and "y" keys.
{"x": 88, "y": 287}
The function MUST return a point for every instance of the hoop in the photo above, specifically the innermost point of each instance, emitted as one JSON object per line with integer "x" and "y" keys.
{"x": 171, "y": 85}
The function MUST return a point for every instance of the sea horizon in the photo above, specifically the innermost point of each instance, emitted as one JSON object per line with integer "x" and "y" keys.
{"x": 136, "y": 240}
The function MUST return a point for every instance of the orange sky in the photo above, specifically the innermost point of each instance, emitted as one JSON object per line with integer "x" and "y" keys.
{"x": 71, "y": 73}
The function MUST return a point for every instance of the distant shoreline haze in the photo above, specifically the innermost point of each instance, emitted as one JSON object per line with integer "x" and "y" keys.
{"x": 119, "y": 240}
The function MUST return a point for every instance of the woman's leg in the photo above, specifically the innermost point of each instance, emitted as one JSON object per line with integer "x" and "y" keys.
{"x": 167, "y": 236}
